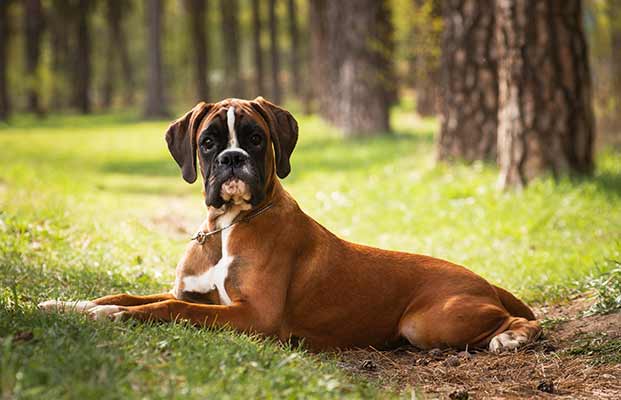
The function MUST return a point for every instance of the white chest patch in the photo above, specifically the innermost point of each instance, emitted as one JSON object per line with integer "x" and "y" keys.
{"x": 214, "y": 278}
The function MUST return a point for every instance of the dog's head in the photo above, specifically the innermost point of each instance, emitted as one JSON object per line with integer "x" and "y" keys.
{"x": 241, "y": 146}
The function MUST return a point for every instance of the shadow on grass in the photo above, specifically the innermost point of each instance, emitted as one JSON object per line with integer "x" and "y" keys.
{"x": 154, "y": 167}
{"x": 608, "y": 183}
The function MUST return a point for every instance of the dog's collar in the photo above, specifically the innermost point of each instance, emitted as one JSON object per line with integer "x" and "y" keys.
{"x": 201, "y": 236}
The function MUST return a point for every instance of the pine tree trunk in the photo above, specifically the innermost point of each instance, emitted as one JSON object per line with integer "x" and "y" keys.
{"x": 197, "y": 13}
{"x": 155, "y": 102}
{"x": 229, "y": 11}
{"x": 545, "y": 108}
{"x": 356, "y": 92}
{"x": 275, "y": 53}
{"x": 257, "y": 50}
{"x": 82, "y": 99}
{"x": 318, "y": 22}
{"x": 61, "y": 22}
{"x": 469, "y": 80}
{"x": 33, "y": 26}
{"x": 295, "y": 48}
{"x": 112, "y": 21}
{"x": 5, "y": 34}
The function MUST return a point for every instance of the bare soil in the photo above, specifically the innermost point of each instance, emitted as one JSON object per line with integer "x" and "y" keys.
{"x": 560, "y": 365}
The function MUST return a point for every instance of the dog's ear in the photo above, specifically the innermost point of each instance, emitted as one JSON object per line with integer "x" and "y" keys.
{"x": 283, "y": 131}
{"x": 181, "y": 139}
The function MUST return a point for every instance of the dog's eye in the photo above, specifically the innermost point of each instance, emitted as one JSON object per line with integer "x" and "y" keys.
{"x": 256, "y": 139}
{"x": 207, "y": 144}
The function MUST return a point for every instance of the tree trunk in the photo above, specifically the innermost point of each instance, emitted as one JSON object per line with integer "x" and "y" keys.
{"x": 33, "y": 26}
{"x": 358, "y": 72}
{"x": 229, "y": 11}
{"x": 295, "y": 48}
{"x": 318, "y": 22}
{"x": 82, "y": 81}
{"x": 61, "y": 21}
{"x": 470, "y": 82}
{"x": 614, "y": 9}
{"x": 197, "y": 13}
{"x": 545, "y": 108}
{"x": 113, "y": 12}
{"x": 5, "y": 34}
{"x": 257, "y": 50}
{"x": 155, "y": 103}
{"x": 275, "y": 53}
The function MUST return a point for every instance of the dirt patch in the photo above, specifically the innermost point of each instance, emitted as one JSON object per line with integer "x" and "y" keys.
{"x": 561, "y": 365}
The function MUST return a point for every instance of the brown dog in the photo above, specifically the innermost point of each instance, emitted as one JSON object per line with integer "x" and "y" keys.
{"x": 260, "y": 264}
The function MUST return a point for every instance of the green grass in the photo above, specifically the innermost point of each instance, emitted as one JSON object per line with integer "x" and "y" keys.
{"x": 92, "y": 206}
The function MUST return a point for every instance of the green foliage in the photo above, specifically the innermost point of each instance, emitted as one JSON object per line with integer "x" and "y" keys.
{"x": 95, "y": 205}
{"x": 607, "y": 289}
{"x": 599, "y": 348}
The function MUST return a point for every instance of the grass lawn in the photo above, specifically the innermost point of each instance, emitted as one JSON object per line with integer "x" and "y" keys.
{"x": 95, "y": 205}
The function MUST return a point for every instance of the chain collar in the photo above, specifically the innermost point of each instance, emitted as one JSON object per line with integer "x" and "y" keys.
{"x": 201, "y": 236}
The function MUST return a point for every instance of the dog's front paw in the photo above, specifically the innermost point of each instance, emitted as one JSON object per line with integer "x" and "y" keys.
{"x": 81, "y": 306}
{"x": 506, "y": 341}
{"x": 106, "y": 311}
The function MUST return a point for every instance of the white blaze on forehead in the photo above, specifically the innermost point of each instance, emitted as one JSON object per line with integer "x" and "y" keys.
{"x": 230, "y": 120}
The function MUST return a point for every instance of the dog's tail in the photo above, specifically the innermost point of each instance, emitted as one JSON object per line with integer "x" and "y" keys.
{"x": 515, "y": 306}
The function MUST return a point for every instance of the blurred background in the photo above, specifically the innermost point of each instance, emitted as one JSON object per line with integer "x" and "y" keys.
{"x": 483, "y": 66}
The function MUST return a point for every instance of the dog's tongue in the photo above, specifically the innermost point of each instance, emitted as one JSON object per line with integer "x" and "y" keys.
{"x": 234, "y": 189}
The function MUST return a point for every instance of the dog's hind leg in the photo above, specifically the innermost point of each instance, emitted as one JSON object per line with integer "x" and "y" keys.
{"x": 519, "y": 332}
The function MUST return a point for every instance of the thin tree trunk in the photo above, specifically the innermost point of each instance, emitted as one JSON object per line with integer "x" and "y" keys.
{"x": 5, "y": 34}
{"x": 257, "y": 49}
{"x": 155, "y": 103}
{"x": 295, "y": 48}
{"x": 197, "y": 13}
{"x": 33, "y": 26}
{"x": 61, "y": 25}
{"x": 469, "y": 80}
{"x": 229, "y": 11}
{"x": 275, "y": 53}
{"x": 319, "y": 65}
{"x": 113, "y": 13}
{"x": 83, "y": 58}
{"x": 614, "y": 9}
{"x": 546, "y": 119}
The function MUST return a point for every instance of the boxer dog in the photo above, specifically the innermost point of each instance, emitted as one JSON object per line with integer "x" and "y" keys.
{"x": 260, "y": 264}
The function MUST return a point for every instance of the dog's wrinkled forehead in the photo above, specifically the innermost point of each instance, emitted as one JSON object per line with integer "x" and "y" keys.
{"x": 228, "y": 115}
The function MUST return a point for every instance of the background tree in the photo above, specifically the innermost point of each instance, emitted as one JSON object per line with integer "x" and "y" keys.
{"x": 61, "y": 21}
{"x": 233, "y": 82}
{"x": 274, "y": 53}
{"x": 197, "y": 14}
{"x": 425, "y": 45}
{"x": 294, "y": 50}
{"x": 117, "y": 51}
{"x": 155, "y": 106}
{"x": 83, "y": 68}
{"x": 5, "y": 34}
{"x": 358, "y": 70}
{"x": 469, "y": 81}
{"x": 34, "y": 24}
{"x": 257, "y": 49}
{"x": 545, "y": 111}
{"x": 614, "y": 15}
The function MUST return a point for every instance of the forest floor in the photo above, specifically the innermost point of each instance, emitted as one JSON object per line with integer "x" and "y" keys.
{"x": 95, "y": 205}
{"x": 578, "y": 357}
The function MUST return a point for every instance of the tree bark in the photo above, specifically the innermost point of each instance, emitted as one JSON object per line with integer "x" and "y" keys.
{"x": 470, "y": 82}
{"x": 33, "y": 30}
{"x": 155, "y": 103}
{"x": 257, "y": 49}
{"x": 358, "y": 74}
{"x": 546, "y": 121}
{"x": 294, "y": 55}
{"x": 116, "y": 52}
{"x": 275, "y": 53}
{"x": 61, "y": 22}
{"x": 5, "y": 34}
{"x": 197, "y": 13}
{"x": 614, "y": 9}
{"x": 233, "y": 83}
{"x": 82, "y": 99}
{"x": 318, "y": 21}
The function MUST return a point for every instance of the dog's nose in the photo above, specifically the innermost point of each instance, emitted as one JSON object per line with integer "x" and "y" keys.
{"x": 231, "y": 158}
